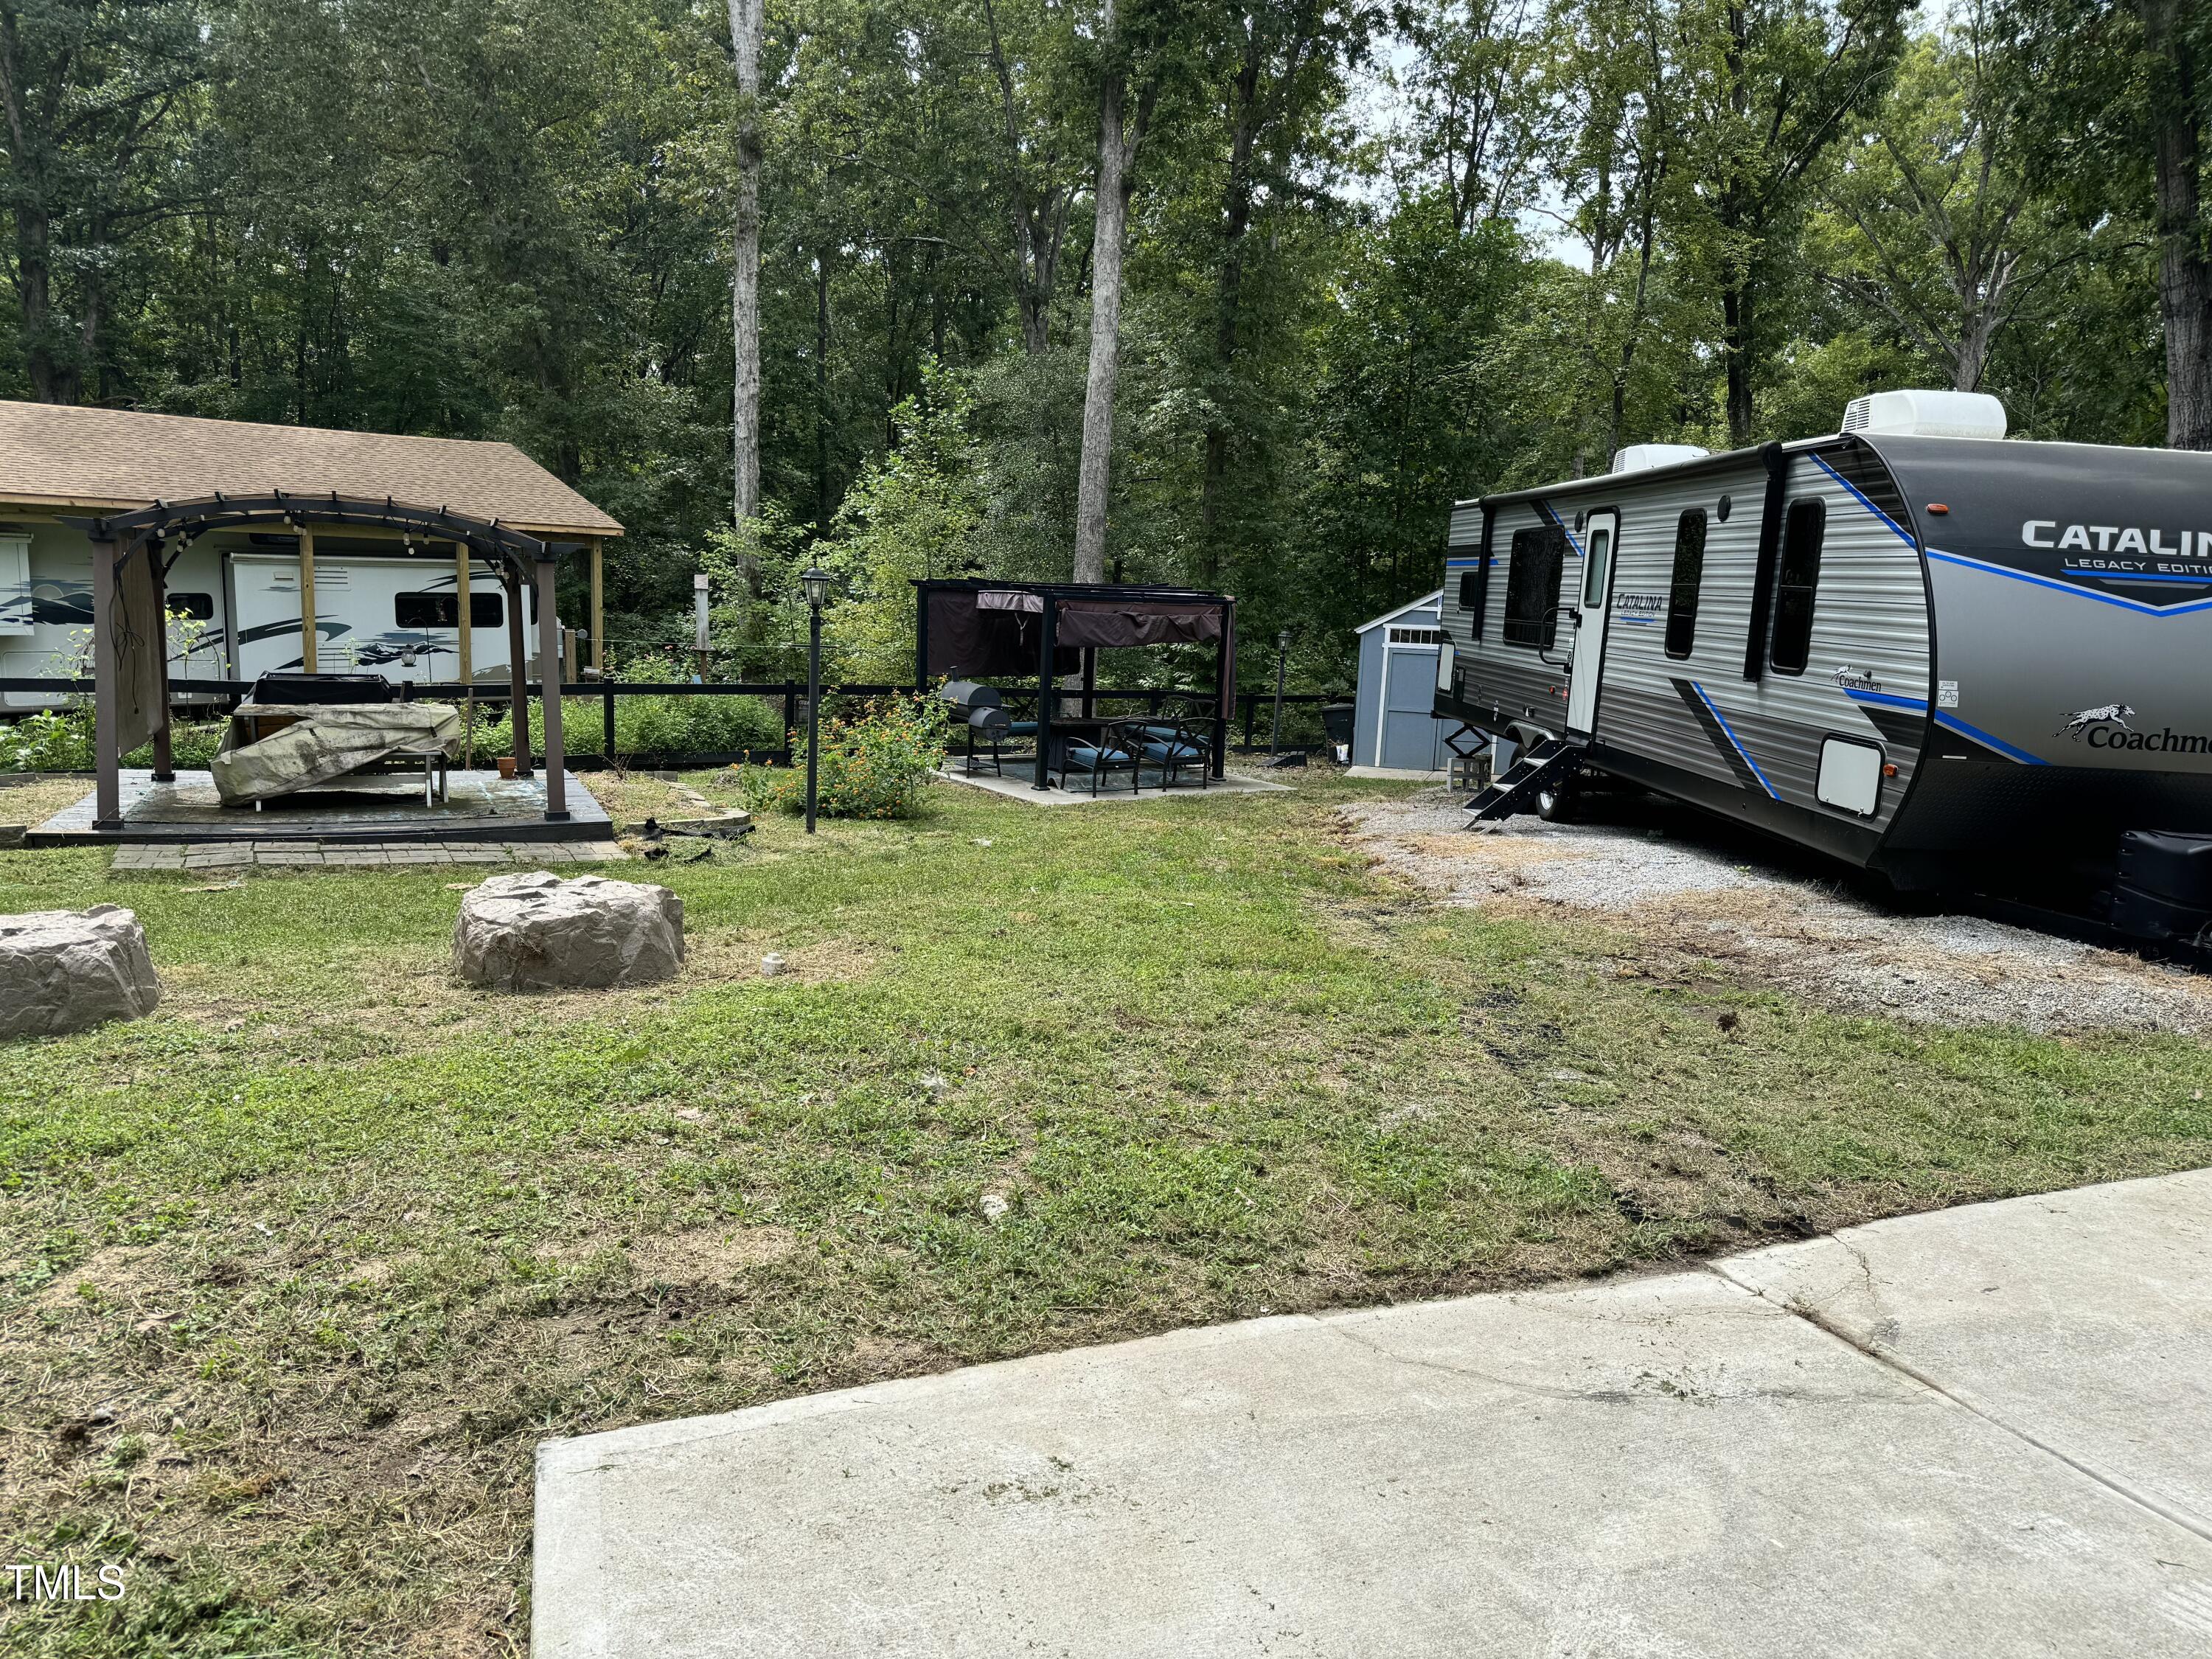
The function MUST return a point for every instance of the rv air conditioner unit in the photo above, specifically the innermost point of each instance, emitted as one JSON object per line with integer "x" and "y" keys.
{"x": 1641, "y": 458}
{"x": 1927, "y": 414}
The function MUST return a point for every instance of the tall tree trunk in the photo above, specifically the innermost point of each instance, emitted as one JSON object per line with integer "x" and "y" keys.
{"x": 2185, "y": 277}
{"x": 1236, "y": 219}
{"x": 821, "y": 395}
{"x": 1117, "y": 176}
{"x": 746, "y": 25}
{"x": 1039, "y": 211}
{"x": 1736, "y": 311}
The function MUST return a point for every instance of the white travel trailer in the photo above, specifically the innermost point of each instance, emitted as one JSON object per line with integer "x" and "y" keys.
{"x": 244, "y": 601}
{"x": 1959, "y": 662}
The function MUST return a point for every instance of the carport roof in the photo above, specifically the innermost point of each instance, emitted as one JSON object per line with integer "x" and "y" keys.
{"x": 56, "y": 456}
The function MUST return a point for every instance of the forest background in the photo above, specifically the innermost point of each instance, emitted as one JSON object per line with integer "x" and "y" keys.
{"x": 1358, "y": 258}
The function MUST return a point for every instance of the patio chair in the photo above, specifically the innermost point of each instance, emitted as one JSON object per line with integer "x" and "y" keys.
{"x": 1111, "y": 749}
{"x": 1173, "y": 745}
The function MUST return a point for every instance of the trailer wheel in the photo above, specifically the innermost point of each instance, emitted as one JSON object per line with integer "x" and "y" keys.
{"x": 1559, "y": 804}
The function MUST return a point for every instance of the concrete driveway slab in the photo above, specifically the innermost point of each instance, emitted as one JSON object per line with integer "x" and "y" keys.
{"x": 1655, "y": 1468}
{"x": 2082, "y": 1320}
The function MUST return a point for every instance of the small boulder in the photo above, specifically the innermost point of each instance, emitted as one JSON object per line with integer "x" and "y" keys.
{"x": 69, "y": 970}
{"x": 537, "y": 932}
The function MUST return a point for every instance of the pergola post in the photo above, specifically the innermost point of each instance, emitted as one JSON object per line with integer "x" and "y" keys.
{"x": 307, "y": 639}
{"x": 549, "y": 674}
{"x": 466, "y": 668}
{"x": 107, "y": 762}
{"x": 1047, "y": 627}
{"x": 599, "y": 609}
{"x": 517, "y": 668}
{"x": 165, "y": 767}
{"x": 1224, "y": 669}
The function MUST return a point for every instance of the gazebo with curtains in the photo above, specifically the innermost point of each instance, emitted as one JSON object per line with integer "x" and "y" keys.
{"x": 971, "y": 628}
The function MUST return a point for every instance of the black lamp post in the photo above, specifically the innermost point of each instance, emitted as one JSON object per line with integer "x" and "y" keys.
{"x": 1282, "y": 666}
{"x": 816, "y": 583}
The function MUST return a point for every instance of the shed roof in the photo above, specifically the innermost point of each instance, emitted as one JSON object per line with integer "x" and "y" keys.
{"x": 55, "y": 455}
{"x": 1426, "y": 602}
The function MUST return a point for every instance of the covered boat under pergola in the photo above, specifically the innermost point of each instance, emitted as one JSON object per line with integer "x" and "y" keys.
{"x": 136, "y": 491}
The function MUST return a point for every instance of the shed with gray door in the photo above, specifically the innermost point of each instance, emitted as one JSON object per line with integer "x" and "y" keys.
{"x": 1394, "y": 730}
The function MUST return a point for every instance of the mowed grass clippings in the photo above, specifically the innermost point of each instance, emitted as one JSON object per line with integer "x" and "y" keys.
{"x": 295, "y": 1274}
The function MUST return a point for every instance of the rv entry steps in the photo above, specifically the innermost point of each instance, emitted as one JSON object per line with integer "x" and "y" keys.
{"x": 1549, "y": 765}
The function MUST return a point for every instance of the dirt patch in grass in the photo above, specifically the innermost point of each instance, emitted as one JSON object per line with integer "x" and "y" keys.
{"x": 417, "y": 984}
{"x": 31, "y": 802}
{"x": 1691, "y": 894}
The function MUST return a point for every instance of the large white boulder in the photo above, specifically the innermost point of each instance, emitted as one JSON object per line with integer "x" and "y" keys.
{"x": 535, "y": 932}
{"x": 67, "y": 970}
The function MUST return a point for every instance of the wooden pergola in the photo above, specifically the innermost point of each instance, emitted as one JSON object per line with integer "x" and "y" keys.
{"x": 134, "y": 550}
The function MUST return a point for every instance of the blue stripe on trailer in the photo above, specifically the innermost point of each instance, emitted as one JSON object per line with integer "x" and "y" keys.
{"x": 2078, "y": 592}
{"x": 1888, "y": 699}
{"x": 1952, "y": 723}
{"x": 1859, "y": 495}
{"x": 1729, "y": 731}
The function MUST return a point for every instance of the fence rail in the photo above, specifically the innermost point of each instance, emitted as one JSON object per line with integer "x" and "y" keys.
{"x": 791, "y": 692}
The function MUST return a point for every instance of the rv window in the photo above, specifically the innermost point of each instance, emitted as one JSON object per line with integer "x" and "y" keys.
{"x": 192, "y": 607}
{"x": 1689, "y": 576}
{"x": 444, "y": 610}
{"x": 1469, "y": 590}
{"x": 1794, "y": 580}
{"x": 1532, "y": 585}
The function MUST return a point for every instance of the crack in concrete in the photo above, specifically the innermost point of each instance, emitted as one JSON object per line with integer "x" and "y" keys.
{"x": 1881, "y": 1354}
{"x": 1621, "y": 1396}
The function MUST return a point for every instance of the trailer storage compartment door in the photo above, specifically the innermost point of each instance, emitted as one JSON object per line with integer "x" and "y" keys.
{"x": 1851, "y": 776}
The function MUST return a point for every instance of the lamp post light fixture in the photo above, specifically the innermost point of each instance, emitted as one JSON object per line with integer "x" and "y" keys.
{"x": 1282, "y": 665}
{"x": 816, "y": 584}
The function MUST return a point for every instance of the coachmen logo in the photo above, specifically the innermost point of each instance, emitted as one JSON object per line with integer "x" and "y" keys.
{"x": 2107, "y": 728}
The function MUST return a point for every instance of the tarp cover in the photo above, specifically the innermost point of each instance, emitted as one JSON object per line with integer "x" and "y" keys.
{"x": 140, "y": 638}
{"x": 1135, "y": 621}
{"x": 969, "y": 641}
{"x": 992, "y": 632}
{"x": 324, "y": 741}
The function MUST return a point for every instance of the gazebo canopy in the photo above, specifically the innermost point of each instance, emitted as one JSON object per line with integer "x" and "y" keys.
{"x": 968, "y": 628}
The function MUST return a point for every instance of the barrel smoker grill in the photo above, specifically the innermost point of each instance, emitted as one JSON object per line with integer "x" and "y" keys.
{"x": 977, "y": 708}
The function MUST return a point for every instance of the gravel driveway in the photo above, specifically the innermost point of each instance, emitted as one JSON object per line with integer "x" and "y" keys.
{"x": 1694, "y": 888}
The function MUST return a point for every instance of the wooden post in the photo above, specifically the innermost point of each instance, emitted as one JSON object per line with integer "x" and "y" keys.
{"x": 1223, "y": 682}
{"x": 467, "y": 666}
{"x": 165, "y": 765}
{"x": 307, "y": 641}
{"x": 568, "y": 656}
{"x": 549, "y": 674}
{"x": 1048, "y": 623}
{"x": 599, "y": 609}
{"x": 107, "y": 713}
{"x": 518, "y": 667}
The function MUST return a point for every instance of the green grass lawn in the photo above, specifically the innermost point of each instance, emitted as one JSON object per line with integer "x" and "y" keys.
{"x": 295, "y": 1274}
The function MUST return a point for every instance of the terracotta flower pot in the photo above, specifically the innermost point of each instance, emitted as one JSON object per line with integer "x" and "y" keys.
{"x": 507, "y": 767}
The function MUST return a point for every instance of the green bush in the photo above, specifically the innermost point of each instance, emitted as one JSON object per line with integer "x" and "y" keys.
{"x": 51, "y": 740}
{"x": 872, "y": 766}
{"x": 60, "y": 740}
{"x": 649, "y": 725}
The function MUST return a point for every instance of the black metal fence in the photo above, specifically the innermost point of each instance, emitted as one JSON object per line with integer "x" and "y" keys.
{"x": 1255, "y": 708}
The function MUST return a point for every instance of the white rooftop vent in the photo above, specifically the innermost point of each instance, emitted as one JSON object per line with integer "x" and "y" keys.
{"x": 1928, "y": 415}
{"x": 1638, "y": 458}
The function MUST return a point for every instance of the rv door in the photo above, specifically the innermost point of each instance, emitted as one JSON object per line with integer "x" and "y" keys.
{"x": 1601, "y": 531}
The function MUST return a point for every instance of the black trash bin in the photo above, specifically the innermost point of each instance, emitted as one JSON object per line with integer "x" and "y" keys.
{"x": 1336, "y": 725}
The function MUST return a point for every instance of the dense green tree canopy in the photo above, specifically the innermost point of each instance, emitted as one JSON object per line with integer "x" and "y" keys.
{"x": 1381, "y": 254}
